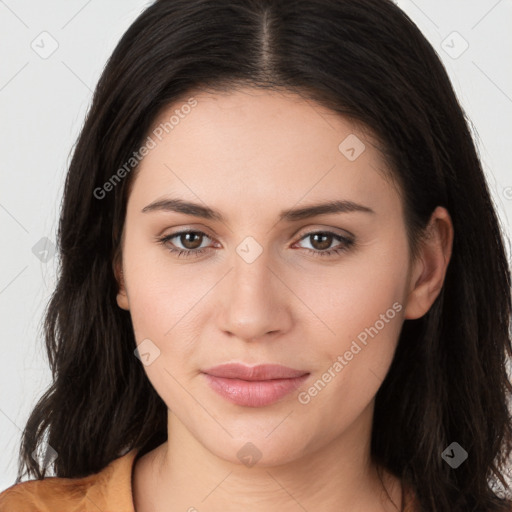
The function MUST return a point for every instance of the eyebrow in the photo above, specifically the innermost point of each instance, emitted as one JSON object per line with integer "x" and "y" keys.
{"x": 290, "y": 215}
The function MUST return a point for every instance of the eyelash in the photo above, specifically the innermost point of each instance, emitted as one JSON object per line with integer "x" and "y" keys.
{"x": 186, "y": 253}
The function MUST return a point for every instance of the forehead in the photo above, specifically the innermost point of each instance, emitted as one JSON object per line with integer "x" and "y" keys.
{"x": 256, "y": 147}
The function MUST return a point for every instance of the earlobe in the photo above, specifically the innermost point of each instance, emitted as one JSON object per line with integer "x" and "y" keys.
{"x": 429, "y": 270}
{"x": 122, "y": 297}
{"x": 122, "y": 300}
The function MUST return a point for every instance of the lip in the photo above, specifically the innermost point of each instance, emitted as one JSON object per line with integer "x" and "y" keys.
{"x": 254, "y": 386}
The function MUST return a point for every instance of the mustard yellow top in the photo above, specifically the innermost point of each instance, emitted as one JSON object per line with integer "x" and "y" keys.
{"x": 109, "y": 490}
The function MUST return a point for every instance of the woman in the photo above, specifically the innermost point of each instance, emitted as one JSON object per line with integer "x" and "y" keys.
{"x": 283, "y": 283}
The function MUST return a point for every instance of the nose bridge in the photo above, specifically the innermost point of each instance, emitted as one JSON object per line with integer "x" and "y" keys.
{"x": 251, "y": 276}
{"x": 251, "y": 304}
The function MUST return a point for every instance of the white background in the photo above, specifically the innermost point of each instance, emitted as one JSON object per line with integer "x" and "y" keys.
{"x": 43, "y": 103}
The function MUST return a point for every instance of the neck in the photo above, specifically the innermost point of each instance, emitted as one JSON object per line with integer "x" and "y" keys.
{"x": 181, "y": 474}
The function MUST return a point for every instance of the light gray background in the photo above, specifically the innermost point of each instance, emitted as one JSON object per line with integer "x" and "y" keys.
{"x": 43, "y": 102}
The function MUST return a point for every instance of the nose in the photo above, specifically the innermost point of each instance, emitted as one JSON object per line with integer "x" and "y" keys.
{"x": 254, "y": 300}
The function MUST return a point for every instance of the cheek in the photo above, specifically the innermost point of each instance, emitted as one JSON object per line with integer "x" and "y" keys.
{"x": 352, "y": 295}
{"x": 350, "y": 366}
{"x": 164, "y": 303}
{"x": 360, "y": 304}
{"x": 164, "y": 297}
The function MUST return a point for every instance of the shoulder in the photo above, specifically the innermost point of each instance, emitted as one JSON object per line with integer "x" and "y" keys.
{"x": 108, "y": 490}
{"x": 46, "y": 495}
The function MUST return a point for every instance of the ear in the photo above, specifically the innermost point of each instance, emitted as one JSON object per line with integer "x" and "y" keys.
{"x": 122, "y": 297}
{"x": 429, "y": 269}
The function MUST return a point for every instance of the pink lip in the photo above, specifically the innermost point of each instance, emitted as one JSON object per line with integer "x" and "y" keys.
{"x": 254, "y": 386}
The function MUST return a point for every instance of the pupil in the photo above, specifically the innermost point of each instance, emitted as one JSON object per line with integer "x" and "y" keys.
{"x": 325, "y": 244}
{"x": 187, "y": 235}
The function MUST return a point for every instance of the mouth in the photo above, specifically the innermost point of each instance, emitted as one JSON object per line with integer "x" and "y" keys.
{"x": 254, "y": 386}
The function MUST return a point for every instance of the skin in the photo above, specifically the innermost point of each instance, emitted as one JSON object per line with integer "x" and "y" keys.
{"x": 250, "y": 154}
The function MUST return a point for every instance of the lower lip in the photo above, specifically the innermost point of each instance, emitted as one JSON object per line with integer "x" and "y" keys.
{"x": 256, "y": 393}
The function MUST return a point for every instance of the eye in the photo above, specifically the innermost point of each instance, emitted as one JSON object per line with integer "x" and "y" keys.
{"x": 324, "y": 239}
{"x": 192, "y": 241}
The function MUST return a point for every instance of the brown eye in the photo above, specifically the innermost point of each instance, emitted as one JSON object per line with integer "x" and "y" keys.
{"x": 190, "y": 242}
{"x": 190, "y": 239}
{"x": 321, "y": 242}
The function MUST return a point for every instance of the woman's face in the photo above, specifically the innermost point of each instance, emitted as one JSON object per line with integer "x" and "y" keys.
{"x": 263, "y": 289}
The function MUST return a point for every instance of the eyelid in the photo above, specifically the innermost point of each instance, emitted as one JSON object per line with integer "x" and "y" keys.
{"x": 326, "y": 229}
{"x": 188, "y": 228}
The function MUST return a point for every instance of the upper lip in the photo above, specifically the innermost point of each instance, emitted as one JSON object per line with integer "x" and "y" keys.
{"x": 259, "y": 372}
